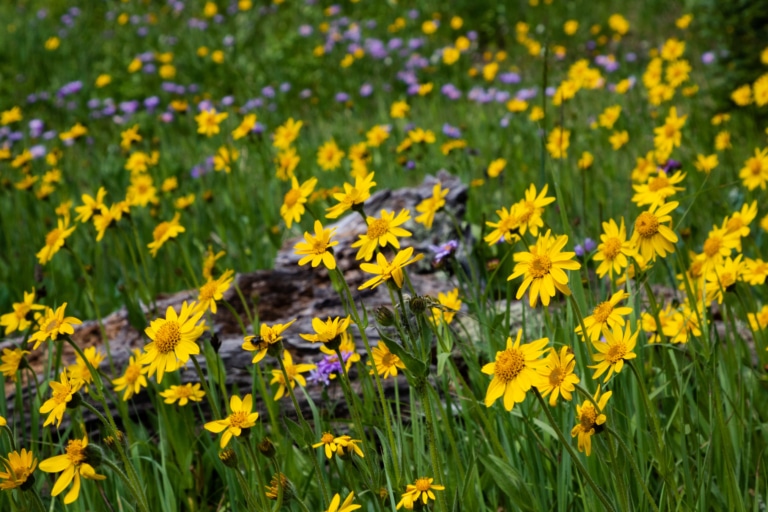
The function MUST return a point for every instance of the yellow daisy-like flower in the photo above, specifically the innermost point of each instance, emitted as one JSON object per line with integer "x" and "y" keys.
{"x": 668, "y": 136}
{"x": 657, "y": 189}
{"x": 164, "y": 232}
{"x": 183, "y": 394}
{"x": 294, "y": 200}
{"x": 91, "y": 206}
{"x": 11, "y": 360}
{"x": 348, "y": 351}
{"x": 19, "y": 466}
{"x": 617, "y": 348}
{"x": 385, "y": 362}
{"x": 429, "y": 206}
{"x": 17, "y": 320}
{"x": 381, "y": 232}
{"x": 652, "y": 237}
{"x": 315, "y": 249}
{"x": 718, "y": 246}
{"x": 245, "y": 127}
{"x": 329, "y": 156}
{"x": 208, "y": 122}
{"x": 55, "y": 240}
{"x": 327, "y": 331}
{"x": 294, "y": 372}
{"x": 543, "y": 268}
{"x": 376, "y": 135}
{"x": 759, "y": 320}
{"x": 605, "y": 316}
{"x": 268, "y": 335}
{"x": 129, "y": 136}
{"x": 240, "y": 417}
{"x": 723, "y": 277}
{"x": 73, "y": 465}
{"x": 614, "y": 249}
{"x": 754, "y": 174}
{"x": 286, "y": 163}
{"x": 133, "y": 378}
{"x": 558, "y": 142}
{"x": 287, "y": 133}
{"x": 515, "y": 371}
{"x": 224, "y": 158}
{"x": 558, "y": 376}
{"x": 496, "y": 167}
{"x": 420, "y": 490}
{"x": 386, "y": 270}
{"x": 60, "y": 397}
{"x": 51, "y": 324}
{"x": 331, "y": 444}
{"x": 530, "y": 209}
{"x": 508, "y": 227}
{"x": 589, "y": 420}
{"x": 449, "y": 304}
{"x": 214, "y": 290}
{"x": 705, "y": 163}
{"x": 80, "y": 371}
{"x": 352, "y": 196}
{"x": 399, "y": 109}
{"x": 173, "y": 340}
{"x": 347, "y": 506}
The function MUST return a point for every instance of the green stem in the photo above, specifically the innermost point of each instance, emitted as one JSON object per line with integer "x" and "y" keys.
{"x": 430, "y": 426}
{"x": 140, "y": 501}
{"x": 259, "y": 476}
{"x": 204, "y": 382}
{"x": 631, "y": 459}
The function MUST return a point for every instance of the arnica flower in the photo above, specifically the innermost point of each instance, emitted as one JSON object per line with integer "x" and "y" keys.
{"x": 558, "y": 142}
{"x": 240, "y": 417}
{"x": 91, "y": 206}
{"x": 183, "y": 394}
{"x": 133, "y": 378}
{"x": 385, "y": 362}
{"x": 347, "y": 506}
{"x": 294, "y": 200}
{"x": 755, "y": 271}
{"x": 614, "y": 249}
{"x": 335, "y": 445}
{"x": 657, "y": 189}
{"x": 53, "y": 323}
{"x": 286, "y": 134}
{"x": 590, "y": 420}
{"x": 515, "y": 371}
{"x": 294, "y": 372}
{"x": 17, "y": 320}
{"x": 386, "y": 270}
{"x": 723, "y": 277}
{"x": 286, "y": 163}
{"x": 129, "y": 136}
{"x": 63, "y": 392}
{"x": 558, "y": 377}
{"x": 19, "y": 467}
{"x": 224, "y": 158}
{"x": 209, "y": 262}
{"x": 245, "y": 127}
{"x": 208, "y": 122}
{"x": 652, "y": 237}
{"x": 507, "y": 229}
{"x": 164, "y": 232}
{"x": 55, "y": 240}
{"x": 529, "y": 210}
{"x": 268, "y": 336}
{"x": 73, "y": 465}
{"x": 347, "y": 348}
{"x": 381, "y": 232}
{"x": 328, "y": 331}
{"x": 317, "y": 249}
{"x": 214, "y": 290}
{"x": 173, "y": 340}
{"x": 617, "y": 348}
{"x": 329, "y": 156}
{"x": 758, "y": 320}
{"x": 80, "y": 371}
{"x": 420, "y": 490}
{"x": 754, "y": 174}
{"x": 377, "y": 135}
{"x": 605, "y": 316}
{"x": 718, "y": 246}
{"x": 279, "y": 481}
{"x": 429, "y": 206}
{"x": 11, "y": 360}
{"x": 543, "y": 268}
{"x": 668, "y": 136}
{"x": 352, "y": 196}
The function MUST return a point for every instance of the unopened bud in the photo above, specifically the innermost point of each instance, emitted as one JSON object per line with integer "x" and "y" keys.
{"x": 229, "y": 458}
{"x": 384, "y": 316}
{"x": 266, "y": 448}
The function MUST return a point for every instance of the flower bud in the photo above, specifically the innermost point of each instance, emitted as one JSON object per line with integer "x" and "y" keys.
{"x": 384, "y": 316}
{"x": 229, "y": 458}
{"x": 266, "y": 448}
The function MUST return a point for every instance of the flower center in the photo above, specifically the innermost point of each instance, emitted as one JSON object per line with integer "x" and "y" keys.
{"x": 726, "y": 279}
{"x": 612, "y": 248}
{"x": 239, "y": 419}
{"x": 712, "y": 245}
{"x": 292, "y": 197}
{"x": 528, "y": 210}
{"x": 658, "y": 183}
{"x": 734, "y": 224}
{"x": 647, "y": 225}
{"x": 319, "y": 246}
{"x": 62, "y": 395}
{"x": 602, "y": 312}
{"x": 133, "y": 372}
{"x": 387, "y": 360}
{"x": 53, "y": 237}
{"x": 509, "y": 364}
{"x": 207, "y": 291}
{"x": 327, "y": 438}
{"x": 161, "y": 230}
{"x": 588, "y": 417}
{"x": 52, "y": 325}
{"x": 168, "y": 336}
{"x": 556, "y": 377}
{"x": 540, "y": 265}
{"x": 422, "y": 484}
{"x": 75, "y": 452}
{"x": 378, "y": 228}
{"x": 616, "y": 353}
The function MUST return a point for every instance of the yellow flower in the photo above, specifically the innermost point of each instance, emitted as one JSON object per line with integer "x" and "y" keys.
{"x": 399, "y": 109}
{"x": 141, "y": 191}
{"x": 164, "y": 232}
{"x": 11, "y": 360}
{"x": 91, "y": 206}
{"x": 183, "y": 394}
{"x": 618, "y": 139}
{"x": 755, "y": 271}
{"x": 268, "y": 335}
{"x": 210, "y": 261}
{"x": 618, "y": 24}
{"x": 723, "y": 277}
{"x": 668, "y": 136}
{"x": 19, "y": 467}
{"x": 759, "y": 320}
{"x": 245, "y": 127}
{"x": 335, "y": 445}
{"x": 377, "y": 135}
{"x": 381, "y": 232}
{"x": 55, "y": 240}
{"x": 517, "y": 105}
{"x": 214, "y": 290}
{"x": 224, "y": 158}
{"x": 609, "y": 116}
{"x": 208, "y": 121}
{"x": 51, "y": 324}
{"x": 17, "y": 320}
{"x": 294, "y": 200}
{"x": 617, "y": 348}
{"x": 352, "y": 196}
{"x": 605, "y": 316}
{"x": 317, "y": 249}
{"x": 348, "y": 351}
{"x": 558, "y": 142}
{"x": 614, "y": 249}
{"x": 385, "y": 362}
{"x": 347, "y": 506}
{"x": 658, "y": 188}
{"x": 184, "y": 202}
{"x": 677, "y": 73}
{"x": 537, "y": 114}
{"x": 705, "y": 163}
{"x": 80, "y": 371}
{"x": 173, "y": 340}
{"x": 496, "y": 167}
{"x": 286, "y": 134}
{"x": 652, "y": 237}
{"x": 543, "y": 267}
{"x": 742, "y": 96}
{"x": 133, "y": 378}
{"x": 329, "y": 156}
{"x": 240, "y": 417}
{"x": 515, "y": 371}
{"x": 755, "y": 171}
{"x": 429, "y": 206}
{"x": 420, "y": 490}
{"x": 586, "y": 160}
{"x": 508, "y": 227}
{"x": 62, "y": 394}
{"x": 286, "y": 162}
{"x": 328, "y": 331}
{"x": 128, "y": 137}
{"x": 718, "y": 246}
{"x": 386, "y": 270}
{"x": 450, "y": 55}
{"x": 74, "y": 464}
{"x": 723, "y": 140}
{"x": 589, "y": 420}
{"x": 11, "y": 115}
{"x": 558, "y": 376}
{"x": 294, "y": 372}
{"x": 449, "y": 304}
{"x": 530, "y": 209}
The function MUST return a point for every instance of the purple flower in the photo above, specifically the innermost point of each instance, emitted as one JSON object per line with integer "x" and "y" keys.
{"x": 228, "y": 41}
{"x": 630, "y": 57}
{"x": 671, "y": 165}
{"x": 129, "y": 107}
{"x": 526, "y": 94}
{"x": 94, "y": 103}
{"x": 37, "y": 151}
{"x": 509, "y": 78}
{"x": 588, "y": 246}
{"x": 305, "y": 30}
{"x": 32, "y": 98}
{"x": 341, "y": 97}
{"x": 504, "y": 122}
{"x": 151, "y": 103}
{"x": 708, "y": 57}
{"x": 366, "y": 90}
{"x": 451, "y": 131}
{"x": 227, "y": 100}
{"x": 443, "y": 251}
{"x": 450, "y": 91}
{"x": 50, "y": 134}
{"x": 70, "y": 88}
{"x": 268, "y": 91}
{"x": 35, "y": 128}
{"x": 395, "y": 43}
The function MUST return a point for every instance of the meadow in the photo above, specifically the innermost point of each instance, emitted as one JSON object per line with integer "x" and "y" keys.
{"x": 601, "y": 340}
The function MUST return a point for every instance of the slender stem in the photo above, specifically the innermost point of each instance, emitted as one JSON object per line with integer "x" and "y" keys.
{"x": 249, "y": 498}
{"x": 204, "y": 382}
{"x": 631, "y": 459}
{"x": 574, "y": 456}
{"x": 259, "y": 477}
{"x": 430, "y": 425}
{"x": 38, "y": 503}
{"x": 140, "y": 501}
